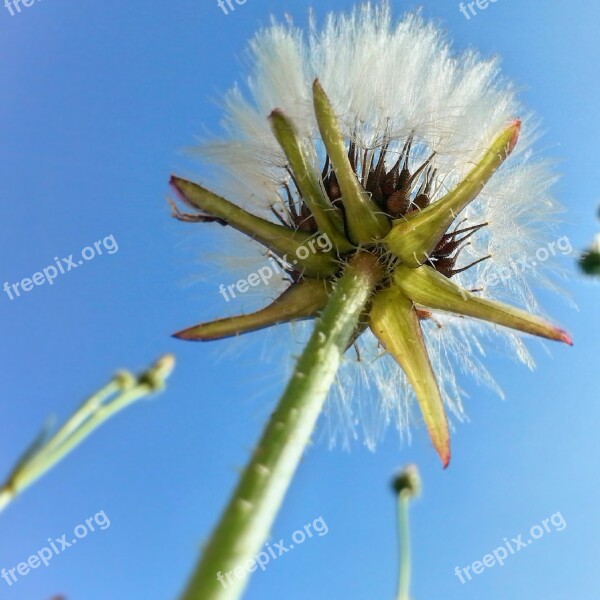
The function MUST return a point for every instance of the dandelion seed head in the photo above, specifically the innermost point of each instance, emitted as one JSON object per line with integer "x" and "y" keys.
{"x": 391, "y": 83}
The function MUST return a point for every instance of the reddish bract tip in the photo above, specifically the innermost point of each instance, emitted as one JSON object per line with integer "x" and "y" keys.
{"x": 516, "y": 125}
{"x": 444, "y": 454}
{"x": 187, "y": 335}
{"x": 276, "y": 112}
{"x": 563, "y": 336}
{"x": 174, "y": 183}
{"x": 445, "y": 461}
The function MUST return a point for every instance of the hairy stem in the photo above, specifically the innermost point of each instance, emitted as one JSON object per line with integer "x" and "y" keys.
{"x": 247, "y": 519}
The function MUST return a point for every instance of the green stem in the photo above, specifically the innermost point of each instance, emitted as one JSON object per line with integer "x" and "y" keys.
{"x": 44, "y": 453}
{"x": 92, "y": 404}
{"x": 247, "y": 520}
{"x": 404, "y": 542}
{"x": 56, "y": 451}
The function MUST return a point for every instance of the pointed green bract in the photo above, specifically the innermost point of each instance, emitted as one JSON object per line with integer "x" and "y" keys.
{"x": 283, "y": 241}
{"x": 429, "y": 288}
{"x": 414, "y": 238}
{"x": 327, "y": 217}
{"x": 365, "y": 221}
{"x": 300, "y": 301}
{"x": 395, "y": 323}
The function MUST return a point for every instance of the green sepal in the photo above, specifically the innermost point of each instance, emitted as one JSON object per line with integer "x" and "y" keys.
{"x": 281, "y": 240}
{"x": 328, "y": 218}
{"x": 427, "y": 287}
{"x": 395, "y": 323}
{"x": 303, "y": 300}
{"x": 364, "y": 220}
{"x": 413, "y": 238}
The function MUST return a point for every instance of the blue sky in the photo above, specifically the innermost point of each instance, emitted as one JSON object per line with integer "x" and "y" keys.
{"x": 98, "y": 100}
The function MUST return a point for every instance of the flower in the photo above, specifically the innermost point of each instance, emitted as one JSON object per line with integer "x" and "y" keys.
{"x": 384, "y": 141}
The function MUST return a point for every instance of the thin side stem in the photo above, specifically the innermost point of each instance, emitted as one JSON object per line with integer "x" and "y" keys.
{"x": 247, "y": 520}
{"x": 404, "y": 543}
{"x": 44, "y": 454}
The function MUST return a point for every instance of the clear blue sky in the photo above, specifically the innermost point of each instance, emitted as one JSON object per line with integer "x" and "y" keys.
{"x": 97, "y": 100}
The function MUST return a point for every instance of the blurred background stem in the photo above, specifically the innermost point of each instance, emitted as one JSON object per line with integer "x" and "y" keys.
{"x": 404, "y": 546}
{"x": 406, "y": 485}
{"x": 46, "y": 451}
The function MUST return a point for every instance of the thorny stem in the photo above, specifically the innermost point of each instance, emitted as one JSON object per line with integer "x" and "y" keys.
{"x": 247, "y": 520}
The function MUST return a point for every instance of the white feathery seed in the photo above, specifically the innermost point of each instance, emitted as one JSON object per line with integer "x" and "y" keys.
{"x": 387, "y": 79}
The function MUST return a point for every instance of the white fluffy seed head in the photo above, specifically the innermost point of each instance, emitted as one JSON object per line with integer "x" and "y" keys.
{"x": 387, "y": 80}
